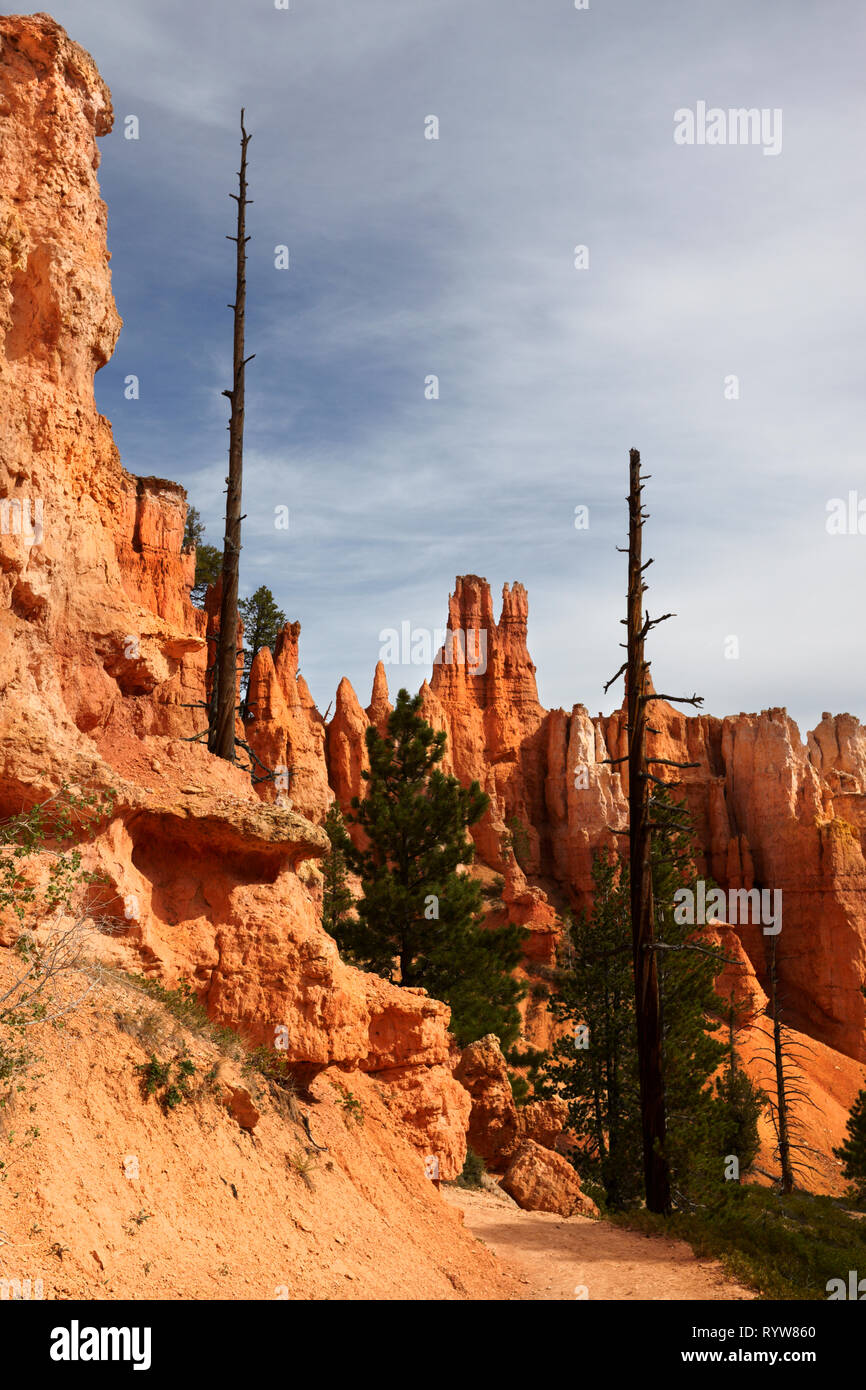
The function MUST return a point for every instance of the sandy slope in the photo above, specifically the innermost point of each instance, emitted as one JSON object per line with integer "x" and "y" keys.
{"x": 212, "y": 1210}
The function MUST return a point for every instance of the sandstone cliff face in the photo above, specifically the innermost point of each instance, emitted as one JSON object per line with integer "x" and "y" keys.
{"x": 100, "y": 649}
{"x": 497, "y": 1126}
{"x": 95, "y": 573}
{"x": 285, "y": 729}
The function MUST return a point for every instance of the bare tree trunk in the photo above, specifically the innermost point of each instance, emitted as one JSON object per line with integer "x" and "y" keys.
{"x": 649, "y": 1033}
{"x": 732, "y": 1058}
{"x": 225, "y": 675}
{"x": 782, "y": 1128}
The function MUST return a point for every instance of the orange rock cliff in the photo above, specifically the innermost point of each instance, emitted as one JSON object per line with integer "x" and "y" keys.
{"x": 101, "y": 650}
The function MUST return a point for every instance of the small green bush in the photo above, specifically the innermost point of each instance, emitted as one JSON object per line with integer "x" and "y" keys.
{"x": 517, "y": 840}
{"x": 473, "y": 1171}
{"x": 157, "y": 1080}
{"x": 352, "y": 1107}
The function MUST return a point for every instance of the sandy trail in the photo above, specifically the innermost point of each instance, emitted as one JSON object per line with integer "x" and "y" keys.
{"x": 553, "y": 1256}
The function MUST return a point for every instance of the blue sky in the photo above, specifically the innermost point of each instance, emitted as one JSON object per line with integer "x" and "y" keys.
{"x": 455, "y": 257}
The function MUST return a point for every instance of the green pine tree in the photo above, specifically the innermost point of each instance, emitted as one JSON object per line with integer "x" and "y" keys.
{"x": 691, "y": 1009}
{"x": 852, "y": 1152}
{"x": 262, "y": 621}
{"x": 528, "y": 1083}
{"x": 337, "y": 897}
{"x": 420, "y": 915}
{"x": 193, "y": 528}
{"x": 740, "y": 1104}
{"x": 594, "y": 1066}
{"x": 208, "y": 568}
{"x": 208, "y": 560}
{"x": 595, "y": 987}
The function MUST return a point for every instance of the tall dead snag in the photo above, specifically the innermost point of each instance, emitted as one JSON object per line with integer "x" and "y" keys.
{"x": 222, "y": 732}
{"x": 780, "y": 1111}
{"x": 640, "y": 780}
{"x": 782, "y": 1052}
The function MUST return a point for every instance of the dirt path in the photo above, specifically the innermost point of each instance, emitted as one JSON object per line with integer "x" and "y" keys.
{"x": 554, "y": 1257}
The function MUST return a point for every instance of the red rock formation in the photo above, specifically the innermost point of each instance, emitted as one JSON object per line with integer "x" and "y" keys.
{"x": 493, "y": 1123}
{"x": 769, "y": 811}
{"x": 498, "y": 1127}
{"x": 543, "y": 1121}
{"x": 100, "y": 650}
{"x": 347, "y": 750}
{"x": 105, "y": 584}
{"x": 285, "y": 729}
{"x": 380, "y": 706}
{"x": 490, "y": 705}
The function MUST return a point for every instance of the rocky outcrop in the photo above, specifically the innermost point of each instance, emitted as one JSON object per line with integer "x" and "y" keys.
{"x": 91, "y": 568}
{"x": 347, "y": 750}
{"x": 380, "y": 706}
{"x": 497, "y": 1126}
{"x": 540, "y": 1180}
{"x": 543, "y": 1121}
{"x": 286, "y": 731}
{"x": 103, "y": 658}
{"x": 433, "y": 1109}
{"x": 494, "y": 1127}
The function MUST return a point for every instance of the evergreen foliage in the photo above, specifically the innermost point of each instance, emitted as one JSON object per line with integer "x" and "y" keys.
{"x": 852, "y": 1151}
{"x": 419, "y": 919}
{"x": 595, "y": 1066}
{"x": 262, "y": 621}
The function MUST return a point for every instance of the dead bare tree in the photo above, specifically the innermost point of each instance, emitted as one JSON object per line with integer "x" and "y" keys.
{"x": 790, "y": 1093}
{"x": 224, "y": 694}
{"x": 781, "y": 1108}
{"x": 785, "y": 1093}
{"x": 641, "y": 825}
{"x": 57, "y": 953}
{"x": 52, "y": 909}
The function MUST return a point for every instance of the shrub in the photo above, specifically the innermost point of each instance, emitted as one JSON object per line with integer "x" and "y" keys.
{"x": 352, "y": 1107}
{"x": 184, "y": 1005}
{"x": 785, "y": 1246}
{"x": 50, "y": 898}
{"x": 303, "y": 1164}
{"x": 473, "y": 1171}
{"x": 157, "y": 1080}
{"x": 852, "y": 1152}
{"x": 518, "y": 841}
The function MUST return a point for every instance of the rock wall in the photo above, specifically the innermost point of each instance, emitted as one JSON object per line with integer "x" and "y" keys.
{"x": 101, "y": 652}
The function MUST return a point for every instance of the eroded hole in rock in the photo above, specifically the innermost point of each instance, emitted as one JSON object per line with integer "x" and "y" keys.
{"x": 192, "y": 878}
